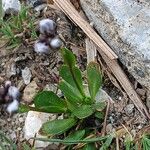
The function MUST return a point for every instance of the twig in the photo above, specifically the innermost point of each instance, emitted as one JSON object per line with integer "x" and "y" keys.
{"x": 105, "y": 120}
{"x": 117, "y": 143}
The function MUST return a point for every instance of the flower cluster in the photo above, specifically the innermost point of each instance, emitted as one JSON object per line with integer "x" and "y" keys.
{"x": 9, "y": 97}
{"x": 48, "y": 37}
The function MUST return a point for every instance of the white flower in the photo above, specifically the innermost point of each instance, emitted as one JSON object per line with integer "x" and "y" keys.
{"x": 13, "y": 92}
{"x": 55, "y": 43}
{"x": 40, "y": 47}
{"x": 7, "y": 83}
{"x": 47, "y": 26}
{"x": 13, "y": 106}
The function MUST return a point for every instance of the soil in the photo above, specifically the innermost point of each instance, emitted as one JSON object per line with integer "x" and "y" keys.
{"x": 45, "y": 69}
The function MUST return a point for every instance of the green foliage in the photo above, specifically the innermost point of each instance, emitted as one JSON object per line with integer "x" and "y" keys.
{"x": 76, "y": 104}
{"x": 57, "y": 126}
{"x": 15, "y": 29}
{"x": 146, "y": 142}
{"x": 77, "y": 135}
{"x": 107, "y": 142}
{"x": 94, "y": 79}
{"x": 48, "y": 101}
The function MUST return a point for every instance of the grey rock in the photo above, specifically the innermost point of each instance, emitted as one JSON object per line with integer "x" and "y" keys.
{"x": 11, "y": 70}
{"x": 11, "y": 6}
{"x": 129, "y": 108}
{"x": 124, "y": 25}
{"x": 32, "y": 126}
{"x": 26, "y": 75}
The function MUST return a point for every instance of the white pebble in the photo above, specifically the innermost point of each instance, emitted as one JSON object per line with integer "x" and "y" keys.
{"x": 55, "y": 43}
{"x": 41, "y": 48}
{"x": 13, "y": 92}
{"x": 47, "y": 26}
{"x": 13, "y": 106}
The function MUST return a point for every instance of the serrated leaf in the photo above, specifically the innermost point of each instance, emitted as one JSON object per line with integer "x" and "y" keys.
{"x": 99, "y": 106}
{"x": 94, "y": 79}
{"x": 71, "y": 93}
{"x": 48, "y": 101}
{"x": 77, "y": 135}
{"x": 69, "y": 58}
{"x": 73, "y": 77}
{"x": 83, "y": 111}
{"x": 57, "y": 126}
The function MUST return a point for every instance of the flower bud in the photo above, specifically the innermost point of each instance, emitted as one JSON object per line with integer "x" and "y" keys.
{"x": 12, "y": 107}
{"x": 13, "y": 92}
{"x": 7, "y": 84}
{"x": 41, "y": 47}
{"x": 47, "y": 27}
{"x": 55, "y": 43}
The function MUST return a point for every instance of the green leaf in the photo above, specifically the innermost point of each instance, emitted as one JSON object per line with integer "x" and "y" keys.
{"x": 77, "y": 135}
{"x": 48, "y": 101}
{"x": 73, "y": 77}
{"x": 146, "y": 142}
{"x": 71, "y": 93}
{"x": 89, "y": 147}
{"x": 94, "y": 79}
{"x": 107, "y": 142}
{"x": 99, "y": 115}
{"x": 91, "y": 140}
{"x": 69, "y": 58}
{"x": 57, "y": 126}
{"x": 83, "y": 111}
{"x": 99, "y": 106}
{"x": 24, "y": 108}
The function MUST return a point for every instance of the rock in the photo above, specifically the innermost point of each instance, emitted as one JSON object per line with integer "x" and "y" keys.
{"x": 11, "y": 6}
{"x": 129, "y": 108}
{"x": 124, "y": 25}
{"x": 26, "y": 75}
{"x": 10, "y": 69}
{"x": 30, "y": 91}
{"x": 33, "y": 123}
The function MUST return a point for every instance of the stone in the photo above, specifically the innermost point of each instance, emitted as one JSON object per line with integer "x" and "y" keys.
{"x": 33, "y": 123}
{"x": 26, "y": 75}
{"x": 30, "y": 91}
{"x": 124, "y": 25}
{"x": 10, "y": 69}
{"x": 11, "y": 6}
{"x": 129, "y": 108}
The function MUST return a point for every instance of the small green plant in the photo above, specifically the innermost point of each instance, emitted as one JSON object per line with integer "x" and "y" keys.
{"x": 76, "y": 106}
{"x": 146, "y": 142}
{"x": 18, "y": 28}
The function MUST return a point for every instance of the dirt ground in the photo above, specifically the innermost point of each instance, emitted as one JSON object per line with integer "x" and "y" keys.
{"x": 44, "y": 71}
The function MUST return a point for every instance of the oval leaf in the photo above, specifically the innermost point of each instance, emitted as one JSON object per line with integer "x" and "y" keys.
{"x": 70, "y": 92}
{"x": 94, "y": 79}
{"x": 57, "y": 126}
{"x": 77, "y": 135}
{"x": 48, "y": 101}
{"x": 83, "y": 111}
{"x": 68, "y": 56}
{"x": 73, "y": 77}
